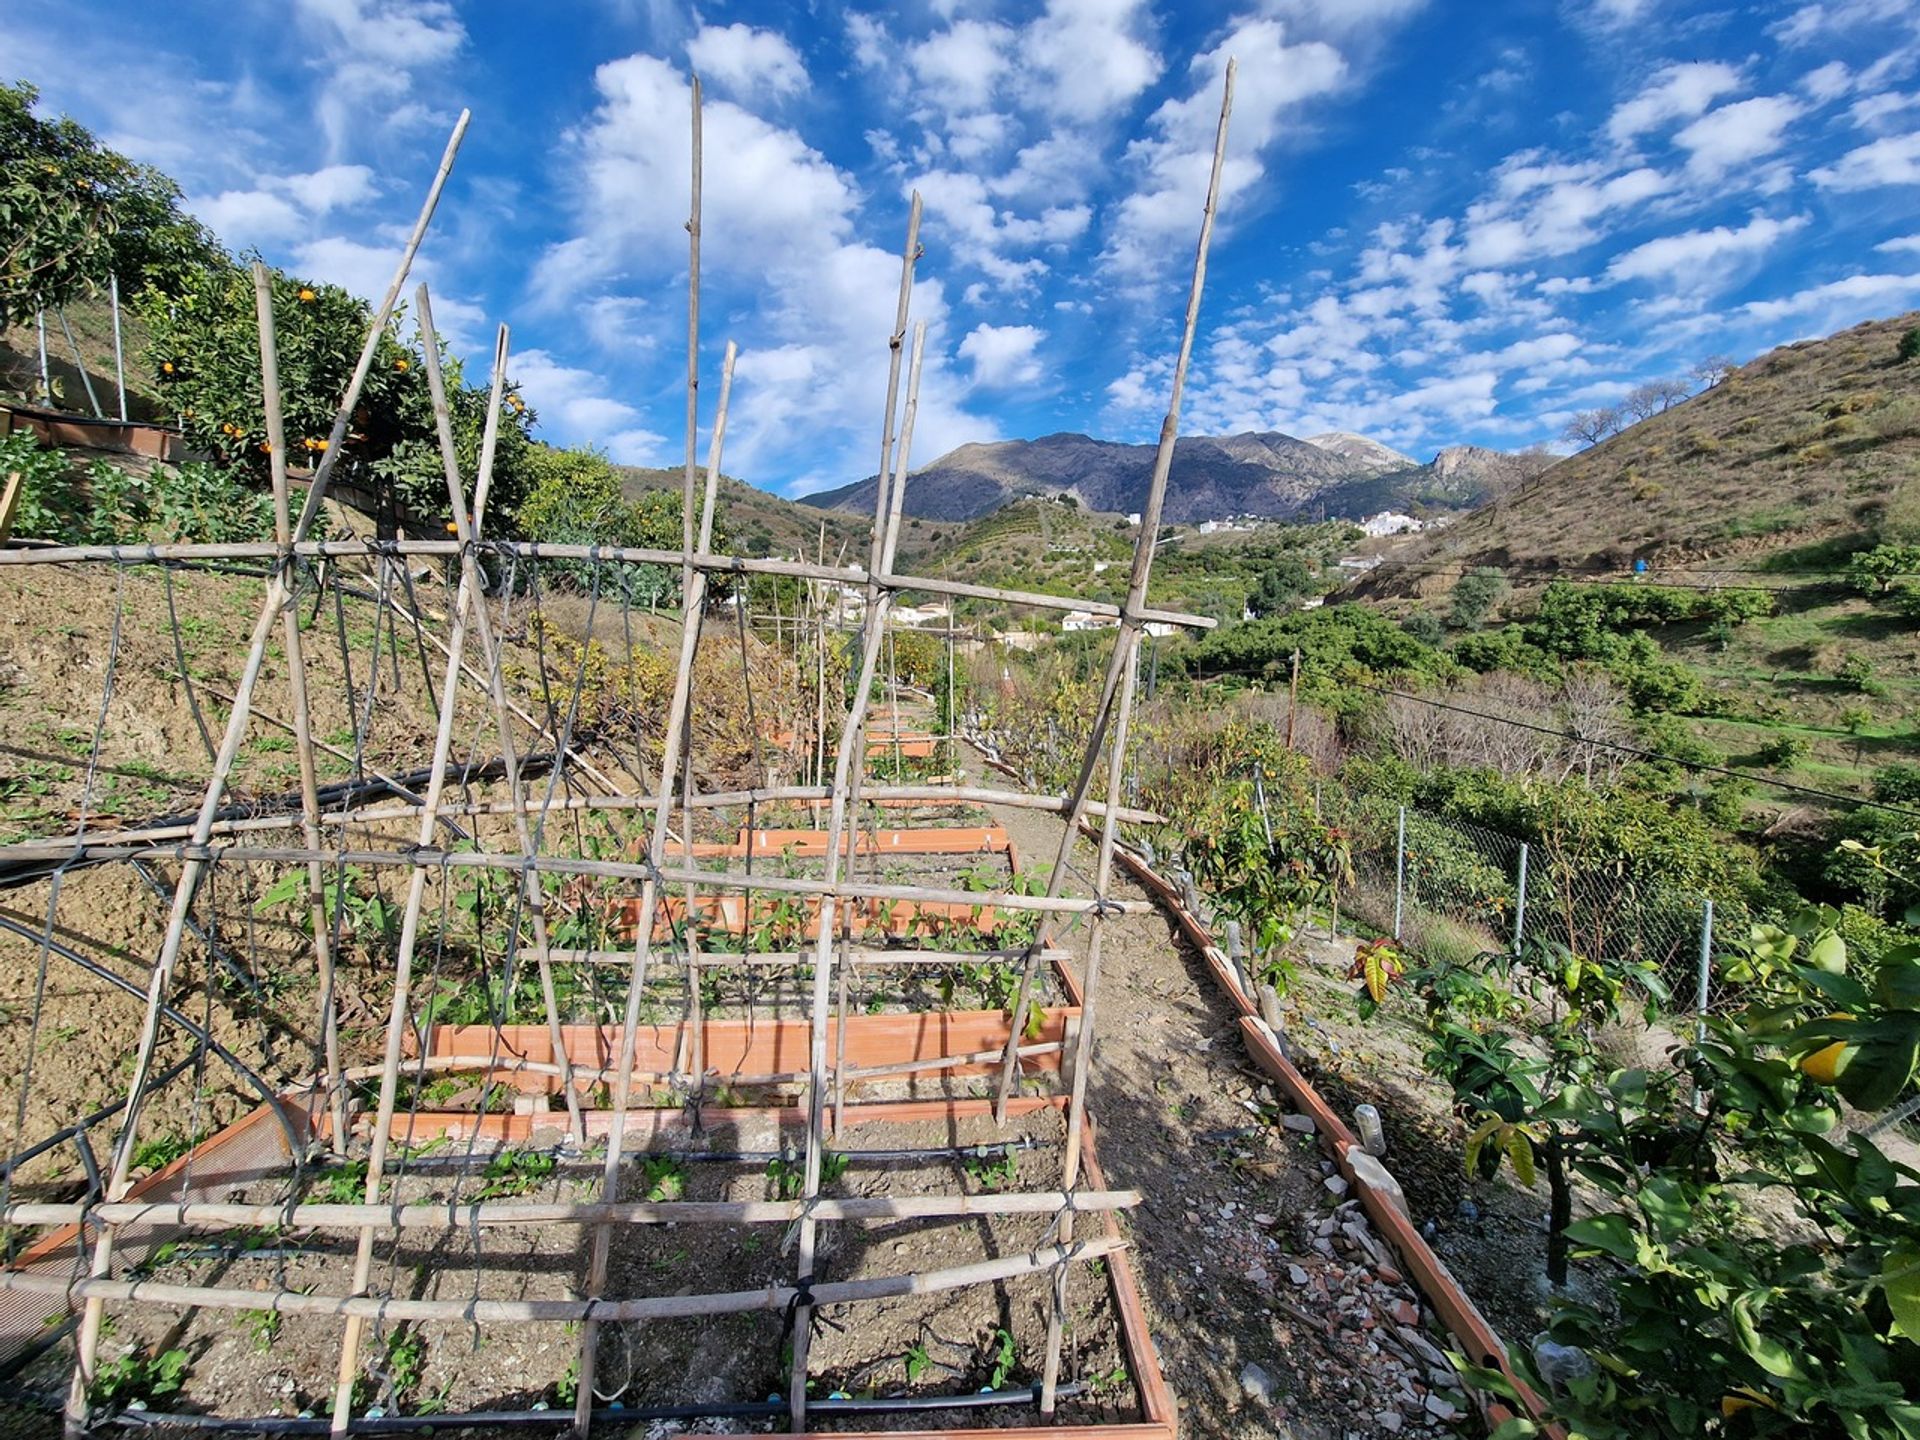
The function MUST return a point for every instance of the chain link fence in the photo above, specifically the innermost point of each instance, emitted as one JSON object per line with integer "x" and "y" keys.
{"x": 1452, "y": 889}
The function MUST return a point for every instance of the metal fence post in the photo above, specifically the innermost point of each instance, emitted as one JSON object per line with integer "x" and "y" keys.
{"x": 1260, "y": 795}
{"x": 1520, "y": 902}
{"x": 1399, "y": 870}
{"x": 1706, "y": 972}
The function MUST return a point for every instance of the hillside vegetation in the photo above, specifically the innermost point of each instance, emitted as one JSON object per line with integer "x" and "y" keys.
{"x": 1815, "y": 441}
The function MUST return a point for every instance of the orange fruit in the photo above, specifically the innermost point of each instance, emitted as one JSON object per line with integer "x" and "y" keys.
{"x": 306, "y": 295}
{"x": 1823, "y": 1065}
{"x": 400, "y": 365}
{"x": 167, "y": 366}
{"x": 319, "y": 444}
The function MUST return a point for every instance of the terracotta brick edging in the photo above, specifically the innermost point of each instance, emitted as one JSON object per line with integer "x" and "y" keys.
{"x": 1428, "y": 1271}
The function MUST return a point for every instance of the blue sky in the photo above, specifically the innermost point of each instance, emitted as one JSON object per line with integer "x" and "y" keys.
{"x": 1445, "y": 221}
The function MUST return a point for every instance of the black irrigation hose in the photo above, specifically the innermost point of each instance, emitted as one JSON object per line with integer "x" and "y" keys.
{"x": 993, "y": 1149}
{"x": 173, "y": 1016}
{"x": 624, "y": 1414}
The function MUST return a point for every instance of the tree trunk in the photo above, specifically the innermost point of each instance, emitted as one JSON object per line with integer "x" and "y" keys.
{"x": 1559, "y": 1208}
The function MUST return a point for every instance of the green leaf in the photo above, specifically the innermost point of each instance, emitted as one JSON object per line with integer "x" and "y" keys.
{"x": 1829, "y": 953}
{"x": 1666, "y": 1207}
{"x": 1768, "y": 1353}
{"x": 1610, "y": 1234}
{"x": 1520, "y": 1153}
{"x": 1900, "y": 1281}
{"x": 1879, "y": 1069}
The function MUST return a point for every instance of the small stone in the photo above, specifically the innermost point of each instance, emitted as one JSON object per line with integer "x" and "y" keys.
{"x": 1262, "y": 1218}
{"x": 1257, "y": 1384}
{"x": 1336, "y": 1185}
{"x": 1441, "y": 1408}
{"x": 1297, "y": 1274}
{"x": 1389, "y": 1421}
{"x": 1404, "y": 1314}
{"x": 1299, "y": 1124}
{"x": 1257, "y": 1274}
{"x": 1388, "y": 1275}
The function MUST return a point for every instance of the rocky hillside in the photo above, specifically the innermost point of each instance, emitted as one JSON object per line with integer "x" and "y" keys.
{"x": 1266, "y": 474}
{"x": 1814, "y": 442}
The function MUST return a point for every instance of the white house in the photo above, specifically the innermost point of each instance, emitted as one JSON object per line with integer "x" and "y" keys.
{"x": 1390, "y": 522}
{"x": 1078, "y": 620}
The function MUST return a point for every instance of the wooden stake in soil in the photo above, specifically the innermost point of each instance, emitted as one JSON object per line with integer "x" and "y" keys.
{"x": 693, "y": 602}
{"x": 290, "y": 637}
{"x": 852, "y": 752}
{"x": 1131, "y": 616}
{"x": 466, "y": 604}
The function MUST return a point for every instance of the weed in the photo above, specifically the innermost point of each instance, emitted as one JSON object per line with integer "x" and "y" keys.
{"x": 789, "y": 1177}
{"x": 1004, "y": 1358}
{"x": 162, "y": 1150}
{"x": 514, "y": 1172}
{"x": 263, "y": 1326}
{"x": 140, "y": 1377}
{"x": 344, "y": 1186}
{"x": 997, "y": 1174}
{"x": 665, "y": 1178}
{"x": 916, "y": 1361}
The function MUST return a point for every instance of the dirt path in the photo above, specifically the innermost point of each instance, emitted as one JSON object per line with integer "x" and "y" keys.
{"x": 1270, "y": 1315}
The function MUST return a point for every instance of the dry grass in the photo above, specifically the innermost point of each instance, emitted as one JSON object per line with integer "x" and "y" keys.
{"x": 1808, "y": 442}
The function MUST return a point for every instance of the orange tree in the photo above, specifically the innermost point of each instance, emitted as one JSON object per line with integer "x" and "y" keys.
{"x": 205, "y": 353}
{"x": 1760, "y": 1264}
{"x": 73, "y": 212}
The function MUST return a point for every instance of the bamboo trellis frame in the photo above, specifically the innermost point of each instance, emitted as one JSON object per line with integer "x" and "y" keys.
{"x": 213, "y": 838}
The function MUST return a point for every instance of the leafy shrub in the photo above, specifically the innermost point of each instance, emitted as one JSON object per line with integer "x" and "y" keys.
{"x": 1909, "y": 348}
{"x": 1782, "y": 751}
{"x": 1876, "y": 571}
{"x": 1475, "y": 595}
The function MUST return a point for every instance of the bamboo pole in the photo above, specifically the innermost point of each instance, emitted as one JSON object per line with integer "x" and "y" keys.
{"x": 336, "y": 438}
{"x": 129, "y": 844}
{"x": 291, "y": 643}
{"x": 466, "y": 602}
{"x": 87, "y": 1342}
{"x": 852, "y": 744}
{"x": 1082, "y": 1046}
{"x": 853, "y": 575}
{"x": 693, "y": 602}
{"x": 732, "y": 881}
{"x": 211, "y": 1215}
{"x": 657, "y": 1307}
{"x": 1131, "y": 618}
{"x": 533, "y": 893}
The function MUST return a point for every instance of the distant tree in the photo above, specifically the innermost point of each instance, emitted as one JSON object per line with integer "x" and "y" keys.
{"x": 1424, "y": 626}
{"x": 1910, "y": 344}
{"x": 1280, "y": 587}
{"x": 1653, "y": 397}
{"x": 1590, "y": 427}
{"x": 1877, "y": 571}
{"x": 1474, "y": 597}
{"x": 1712, "y": 370}
{"x": 75, "y": 213}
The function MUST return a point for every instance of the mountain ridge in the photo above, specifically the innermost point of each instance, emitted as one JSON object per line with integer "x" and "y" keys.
{"x": 1261, "y": 473}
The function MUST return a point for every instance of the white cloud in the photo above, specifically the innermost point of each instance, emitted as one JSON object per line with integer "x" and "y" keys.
{"x": 574, "y": 409}
{"x": 1003, "y": 355}
{"x": 1829, "y": 82}
{"x": 1736, "y": 134}
{"x": 1086, "y": 59}
{"x": 962, "y": 66}
{"x": 779, "y": 245}
{"x": 1894, "y": 160}
{"x": 370, "y": 50}
{"x": 1679, "y": 92}
{"x": 1858, "y": 296}
{"x": 1175, "y": 158}
{"x": 1699, "y": 259}
{"x": 744, "y": 61}
{"x": 1900, "y": 244}
{"x": 280, "y": 207}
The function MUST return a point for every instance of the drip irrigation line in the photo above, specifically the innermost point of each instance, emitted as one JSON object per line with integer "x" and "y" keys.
{"x": 623, "y": 1414}
{"x": 167, "y": 1012}
{"x": 1641, "y": 753}
{"x": 989, "y": 1150}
